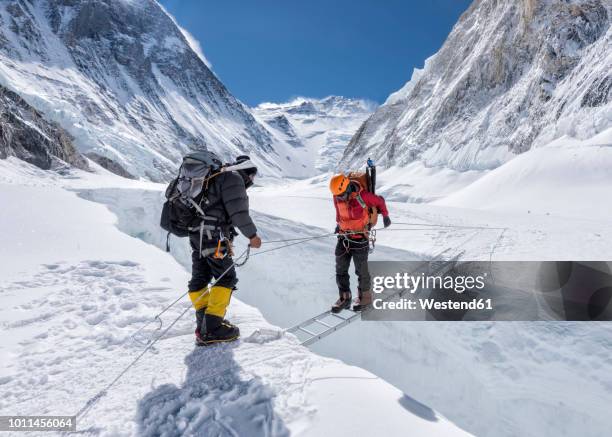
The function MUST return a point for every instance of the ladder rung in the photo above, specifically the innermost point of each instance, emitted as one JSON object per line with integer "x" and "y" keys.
{"x": 323, "y": 323}
{"x": 337, "y": 316}
{"x": 306, "y": 322}
{"x": 324, "y": 334}
{"x": 307, "y": 331}
{"x": 355, "y": 315}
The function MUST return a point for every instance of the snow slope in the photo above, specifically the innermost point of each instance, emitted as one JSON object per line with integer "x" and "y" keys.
{"x": 510, "y": 76}
{"x": 125, "y": 82}
{"x": 532, "y": 379}
{"x": 567, "y": 177}
{"x": 74, "y": 288}
{"x": 319, "y": 128}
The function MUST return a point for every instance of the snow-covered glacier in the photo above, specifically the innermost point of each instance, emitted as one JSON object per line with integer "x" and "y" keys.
{"x": 69, "y": 309}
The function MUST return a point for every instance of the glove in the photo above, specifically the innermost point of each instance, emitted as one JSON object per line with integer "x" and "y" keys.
{"x": 337, "y": 231}
{"x": 387, "y": 221}
{"x": 255, "y": 242}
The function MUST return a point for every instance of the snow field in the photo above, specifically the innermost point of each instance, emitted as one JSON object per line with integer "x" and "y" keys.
{"x": 74, "y": 289}
{"x": 522, "y": 379}
{"x": 519, "y": 376}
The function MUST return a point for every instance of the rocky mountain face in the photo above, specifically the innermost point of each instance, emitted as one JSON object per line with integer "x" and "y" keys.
{"x": 319, "y": 128}
{"x": 123, "y": 79}
{"x": 511, "y": 75}
{"x": 25, "y": 134}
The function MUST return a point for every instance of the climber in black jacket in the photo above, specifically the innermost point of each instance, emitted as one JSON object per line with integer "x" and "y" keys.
{"x": 228, "y": 205}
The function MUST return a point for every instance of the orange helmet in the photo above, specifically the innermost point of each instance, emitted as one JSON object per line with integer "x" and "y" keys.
{"x": 339, "y": 184}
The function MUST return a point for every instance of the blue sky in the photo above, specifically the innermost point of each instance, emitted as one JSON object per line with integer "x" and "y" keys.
{"x": 275, "y": 50}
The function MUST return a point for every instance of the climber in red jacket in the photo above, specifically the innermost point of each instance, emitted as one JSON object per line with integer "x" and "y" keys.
{"x": 353, "y": 218}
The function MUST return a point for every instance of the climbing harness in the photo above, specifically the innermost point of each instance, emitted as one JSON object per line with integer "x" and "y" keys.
{"x": 224, "y": 247}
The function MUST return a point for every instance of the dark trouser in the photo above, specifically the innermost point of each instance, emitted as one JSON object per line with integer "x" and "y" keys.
{"x": 210, "y": 304}
{"x": 205, "y": 268}
{"x": 357, "y": 250}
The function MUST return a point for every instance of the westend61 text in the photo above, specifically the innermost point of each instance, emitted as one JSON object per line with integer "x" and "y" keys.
{"x": 432, "y": 304}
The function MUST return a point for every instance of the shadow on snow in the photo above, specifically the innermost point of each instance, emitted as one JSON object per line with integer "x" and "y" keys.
{"x": 213, "y": 401}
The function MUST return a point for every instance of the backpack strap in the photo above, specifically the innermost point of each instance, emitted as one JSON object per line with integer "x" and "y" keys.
{"x": 361, "y": 201}
{"x": 206, "y": 186}
{"x": 196, "y": 206}
{"x": 205, "y": 228}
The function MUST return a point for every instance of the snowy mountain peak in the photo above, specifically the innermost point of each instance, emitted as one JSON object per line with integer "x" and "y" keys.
{"x": 347, "y": 105}
{"x": 320, "y": 127}
{"x": 511, "y": 75}
{"x": 126, "y": 82}
{"x": 331, "y": 105}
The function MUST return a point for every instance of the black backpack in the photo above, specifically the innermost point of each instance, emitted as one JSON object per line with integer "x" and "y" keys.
{"x": 186, "y": 196}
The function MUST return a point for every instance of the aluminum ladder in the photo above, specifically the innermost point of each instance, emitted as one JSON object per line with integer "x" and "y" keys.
{"x": 326, "y": 323}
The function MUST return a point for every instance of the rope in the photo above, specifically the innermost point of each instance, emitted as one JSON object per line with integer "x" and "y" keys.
{"x": 312, "y": 237}
{"x": 419, "y": 229}
{"x": 426, "y": 228}
{"x": 499, "y": 239}
{"x": 157, "y": 317}
{"x": 293, "y": 242}
{"x": 246, "y": 254}
{"x": 497, "y": 242}
{"x": 242, "y": 366}
{"x": 448, "y": 226}
{"x": 93, "y": 400}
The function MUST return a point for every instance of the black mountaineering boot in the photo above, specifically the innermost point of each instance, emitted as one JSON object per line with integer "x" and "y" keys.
{"x": 218, "y": 330}
{"x": 343, "y": 302}
{"x": 200, "y": 326}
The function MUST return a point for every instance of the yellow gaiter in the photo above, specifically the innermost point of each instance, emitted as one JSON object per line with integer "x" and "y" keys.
{"x": 218, "y": 301}
{"x": 199, "y": 298}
